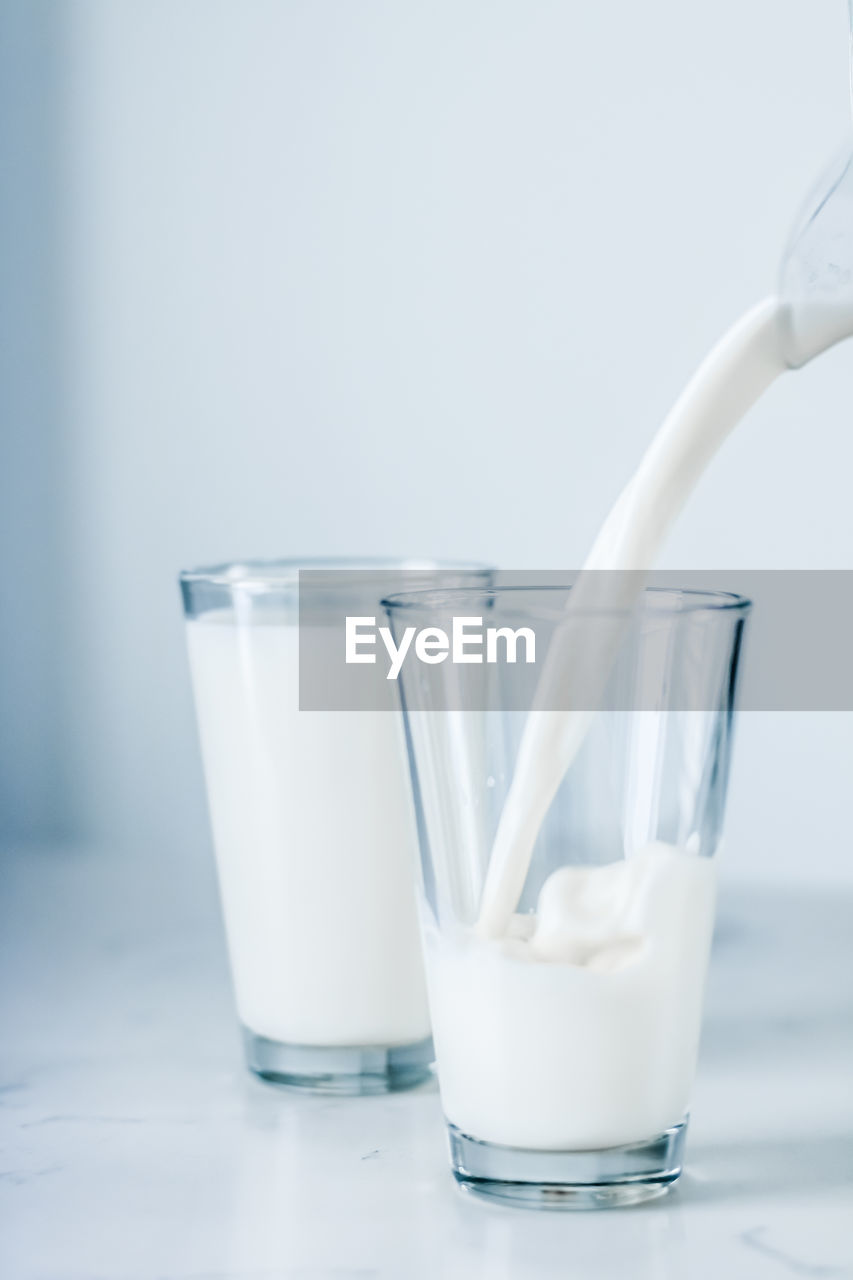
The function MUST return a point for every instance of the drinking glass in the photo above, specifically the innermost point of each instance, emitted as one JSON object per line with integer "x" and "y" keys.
{"x": 566, "y": 1040}
{"x": 313, "y": 831}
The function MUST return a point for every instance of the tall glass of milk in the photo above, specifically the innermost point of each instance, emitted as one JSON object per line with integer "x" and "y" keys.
{"x": 566, "y": 1043}
{"x": 315, "y": 838}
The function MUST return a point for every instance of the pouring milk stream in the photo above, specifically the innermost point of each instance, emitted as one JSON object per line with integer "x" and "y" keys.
{"x": 575, "y": 1027}
{"x": 813, "y": 312}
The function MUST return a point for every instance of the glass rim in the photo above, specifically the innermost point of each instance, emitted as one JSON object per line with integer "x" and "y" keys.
{"x": 690, "y": 601}
{"x": 277, "y": 572}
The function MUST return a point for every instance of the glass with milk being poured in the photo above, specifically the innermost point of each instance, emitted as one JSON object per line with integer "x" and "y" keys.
{"x": 566, "y": 1036}
{"x": 313, "y": 831}
{"x": 567, "y": 892}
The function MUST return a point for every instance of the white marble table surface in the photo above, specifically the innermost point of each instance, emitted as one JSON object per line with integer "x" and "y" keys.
{"x": 136, "y": 1147}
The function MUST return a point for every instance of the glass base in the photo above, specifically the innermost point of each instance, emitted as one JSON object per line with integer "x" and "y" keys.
{"x": 604, "y": 1179}
{"x": 335, "y": 1069}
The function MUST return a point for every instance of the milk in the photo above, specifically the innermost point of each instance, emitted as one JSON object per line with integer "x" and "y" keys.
{"x": 774, "y": 336}
{"x": 728, "y": 382}
{"x": 315, "y": 846}
{"x": 580, "y": 1029}
{"x": 577, "y": 1028}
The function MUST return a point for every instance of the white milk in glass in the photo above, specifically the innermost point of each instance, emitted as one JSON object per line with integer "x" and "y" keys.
{"x": 580, "y": 1028}
{"x": 315, "y": 845}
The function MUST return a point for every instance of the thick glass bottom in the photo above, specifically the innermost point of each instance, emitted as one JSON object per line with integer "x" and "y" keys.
{"x": 608, "y": 1178}
{"x": 366, "y": 1069}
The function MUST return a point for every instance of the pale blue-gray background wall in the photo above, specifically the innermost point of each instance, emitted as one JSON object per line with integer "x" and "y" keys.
{"x": 291, "y": 278}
